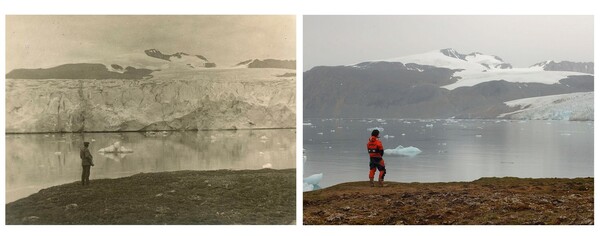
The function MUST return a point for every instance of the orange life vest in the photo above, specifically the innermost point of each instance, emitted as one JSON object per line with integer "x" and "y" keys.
{"x": 374, "y": 147}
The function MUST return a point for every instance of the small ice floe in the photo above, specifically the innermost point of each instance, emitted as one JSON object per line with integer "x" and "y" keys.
{"x": 93, "y": 140}
{"x": 380, "y": 120}
{"x": 403, "y": 151}
{"x": 311, "y": 183}
{"x": 57, "y": 153}
{"x": 403, "y": 134}
{"x": 332, "y": 131}
{"x": 565, "y": 134}
{"x": 164, "y": 133}
{"x": 46, "y": 135}
{"x": 388, "y": 136}
{"x": 263, "y": 137}
{"x": 261, "y": 153}
{"x": 478, "y": 135}
{"x": 320, "y": 133}
{"x": 115, "y": 148}
{"x": 309, "y": 124}
{"x": 429, "y": 125}
{"x": 268, "y": 165}
{"x": 150, "y": 133}
{"x": 375, "y": 128}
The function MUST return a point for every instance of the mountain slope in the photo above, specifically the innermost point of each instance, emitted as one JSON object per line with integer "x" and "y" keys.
{"x": 436, "y": 84}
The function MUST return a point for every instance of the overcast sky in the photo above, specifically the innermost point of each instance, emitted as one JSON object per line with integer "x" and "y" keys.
{"x": 45, "y": 41}
{"x": 519, "y": 40}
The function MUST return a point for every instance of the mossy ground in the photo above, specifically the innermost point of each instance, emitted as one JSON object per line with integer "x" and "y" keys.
{"x": 182, "y": 197}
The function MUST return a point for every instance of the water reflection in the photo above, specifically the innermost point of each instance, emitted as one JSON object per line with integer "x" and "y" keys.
{"x": 36, "y": 161}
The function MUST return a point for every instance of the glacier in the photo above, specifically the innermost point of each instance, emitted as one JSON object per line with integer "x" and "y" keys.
{"x": 171, "y": 100}
{"x": 571, "y": 106}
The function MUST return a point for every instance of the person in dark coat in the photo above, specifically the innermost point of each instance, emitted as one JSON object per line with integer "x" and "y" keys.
{"x": 87, "y": 161}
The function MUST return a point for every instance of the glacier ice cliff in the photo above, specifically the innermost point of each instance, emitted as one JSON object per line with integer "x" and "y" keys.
{"x": 171, "y": 100}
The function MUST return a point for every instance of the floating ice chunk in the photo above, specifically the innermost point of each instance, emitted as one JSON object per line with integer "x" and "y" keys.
{"x": 304, "y": 158}
{"x": 308, "y": 187}
{"x": 375, "y": 128}
{"x": 478, "y": 135}
{"x": 309, "y": 124}
{"x": 388, "y": 136}
{"x": 403, "y": 134}
{"x": 57, "y": 153}
{"x": 429, "y": 125}
{"x": 313, "y": 179}
{"x": 268, "y": 165}
{"x": 263, "y": 137}
{"x": 380, "y": 120}
{"x": 565, "y": 134}
{"x": 403, "y": 151}
{"x": 115, "y": 148}
{"x": 332, "y": 131}
{"x": 320, "y": 133}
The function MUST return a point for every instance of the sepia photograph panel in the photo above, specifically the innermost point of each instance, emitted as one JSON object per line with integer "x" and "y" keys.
{"x": 150, "y": 119}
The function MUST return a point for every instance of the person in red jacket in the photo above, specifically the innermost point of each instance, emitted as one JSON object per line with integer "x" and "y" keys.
{"x": 375, "y": 149}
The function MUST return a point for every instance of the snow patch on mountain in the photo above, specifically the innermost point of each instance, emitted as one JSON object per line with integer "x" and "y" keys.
{"x": 516, "y": 75}
{"x": 572, "y": 106}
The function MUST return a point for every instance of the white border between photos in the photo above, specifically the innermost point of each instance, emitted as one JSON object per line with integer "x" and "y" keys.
{"x": 298, "y": 8}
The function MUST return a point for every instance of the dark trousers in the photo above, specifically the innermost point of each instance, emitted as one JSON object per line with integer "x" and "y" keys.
{"x": 85, "y": 175}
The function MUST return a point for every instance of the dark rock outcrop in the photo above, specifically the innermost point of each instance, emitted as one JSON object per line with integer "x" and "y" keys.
{"x": 79, "y": 71}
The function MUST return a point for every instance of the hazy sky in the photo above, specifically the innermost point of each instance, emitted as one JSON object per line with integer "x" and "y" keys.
{"x": 519, "y": 40}
{"x": 44, "y": 41}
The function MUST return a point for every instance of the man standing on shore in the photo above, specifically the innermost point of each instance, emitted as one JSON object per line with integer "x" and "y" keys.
{"x": 87, "y": 161}
{"x": 375, "y": 149}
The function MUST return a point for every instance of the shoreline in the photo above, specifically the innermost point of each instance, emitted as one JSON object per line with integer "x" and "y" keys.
{"x": 486, "y": 201}
{"x": 265, "y": 196}
{"x": 143, "y": 131}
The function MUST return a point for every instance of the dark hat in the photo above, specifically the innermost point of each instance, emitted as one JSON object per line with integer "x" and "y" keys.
{"x": 375, "y": 133}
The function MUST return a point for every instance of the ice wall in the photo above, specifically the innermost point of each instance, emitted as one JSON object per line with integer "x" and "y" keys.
{"x": 186, "y": 100}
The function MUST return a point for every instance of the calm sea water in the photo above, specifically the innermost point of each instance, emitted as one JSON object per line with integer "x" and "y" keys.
{"x": 452, "y": 150}
{"x": 37, "y": 161}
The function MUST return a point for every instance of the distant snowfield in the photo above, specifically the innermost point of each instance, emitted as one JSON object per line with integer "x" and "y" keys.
{"x": 473, "y": 72}
{"x": 572, "y": 106}
{"x": 517, "y": 75}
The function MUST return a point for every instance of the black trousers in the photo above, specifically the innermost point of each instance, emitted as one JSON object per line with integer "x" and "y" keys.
{"x": 85, "y": 175}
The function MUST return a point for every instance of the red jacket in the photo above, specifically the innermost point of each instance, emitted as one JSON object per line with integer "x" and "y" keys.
{"x": 374, "y": 147}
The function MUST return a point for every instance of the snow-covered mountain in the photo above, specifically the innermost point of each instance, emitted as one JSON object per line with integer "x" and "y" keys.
{"x": 437, "y": 84}
{"x": 583, "y": 67}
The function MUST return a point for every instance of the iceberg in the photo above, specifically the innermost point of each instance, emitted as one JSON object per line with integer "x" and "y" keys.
{"x": 403, "y": 151}
{"x": 313, "y": 179}
{"x": 311, "y": 183}
{"x": 115, "y": 148}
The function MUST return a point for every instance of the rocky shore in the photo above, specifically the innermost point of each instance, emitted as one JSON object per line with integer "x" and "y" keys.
{"x": 263, "y": 196}
{"x": 487, "y": 201}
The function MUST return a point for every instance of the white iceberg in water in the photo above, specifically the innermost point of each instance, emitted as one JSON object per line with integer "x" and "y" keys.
{"x": 115, "y": 148}
{"x": 268, "y": 165}
{"x": 308, "y": 187}
{"x": 403, "y": 151}
{"x": 311, "y": 183}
